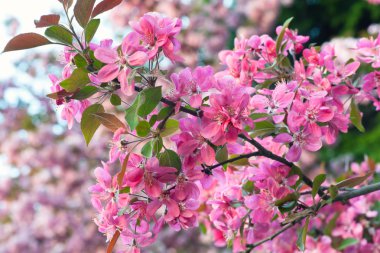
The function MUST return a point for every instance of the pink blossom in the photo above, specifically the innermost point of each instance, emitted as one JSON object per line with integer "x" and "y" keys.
{"x": 118, "y": 62}
{"x": 301, "y": 139}
{"x": 148, "y": 175}
{"x": 192, "y": 145}
{"x": 226, "y": 116}
{"x": 192, "y": 84}
{"x": 369, "y": 51}
{"x": 156, "y": 31}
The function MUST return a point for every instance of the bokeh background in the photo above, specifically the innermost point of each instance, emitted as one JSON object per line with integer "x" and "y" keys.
{"x": 45, "y": 170}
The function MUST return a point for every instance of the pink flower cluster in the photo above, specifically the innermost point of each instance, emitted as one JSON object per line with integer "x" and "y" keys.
{"x": 368, "y": 52}
{"x": 228, "y": 163}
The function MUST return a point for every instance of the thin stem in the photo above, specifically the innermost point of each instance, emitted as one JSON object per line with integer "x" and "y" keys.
{"x": 232, "y": 160}
{"x": 268, "y": 154}
{"x": 271, "y": 237}
{"x": 161, "y": 126}
{"x": 344, "y": 197}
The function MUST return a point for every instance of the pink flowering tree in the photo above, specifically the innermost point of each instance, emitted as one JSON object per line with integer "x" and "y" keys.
{"x": 217, "y": 149}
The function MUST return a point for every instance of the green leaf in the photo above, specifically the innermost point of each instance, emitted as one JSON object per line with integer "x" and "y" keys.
{"x": 79, "y": 61}
{"x": 333, "y": 190}
{"x": 203, "y": 228}
{"x": 89, "y": 122}
{"x": 147, "y": 149}
{"x": 356, "y": 117}
{"x": 60, "y": 34}
{"x": 347, "y": 242}
{"x": 91, "y": 29}
{"x": 169, "y": 158}
{"x": 96, "y": 64}
{"x": 83, "y": 10}
{"x": 149, "y": 100}
{"x": 282, "y": 33}
{"x": 115, "y": 100}
{"x": 152, "y": 147}
{"x": 157, "y": 145}
{"x": 249, "y": 187}
{"x": 164, "y": 112}
{"x": 143, "y": 128}
{"x": 294, "y": 196}
{"x": 78, "y": 79}
{"x": 222, "y": 154}
{"x": 131, "y": 113}
{"x": 125, "y": 190}
{"x": 171, "y": 126}
{"x": 26, "y": 41}
{"x": 302, "y": 235}
{"x": 85, "y": 92}
{"x": 263, "y": 128}
{"x": 318, "y": 181}
{"x": 240, "y": 162}
{"x": 153, "y": 120}
{"x": 287, "y": 207}
{"x": 258, "y": 115}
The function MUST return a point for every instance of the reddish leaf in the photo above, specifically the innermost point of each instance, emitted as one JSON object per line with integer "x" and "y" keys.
{"x": 104, "y": 6}
{"x": 354, "y": 181}
{"x": 47, "y": 20}
{"x": 25, "y": 41}
{"x": 113, "y": 241}
{"x": 59, "y": 94}
{"x": 66, "y": 3}
{"x": 120, "y": 175}
{"x": 109, "y": 120}
{"x": 83, "y": 10}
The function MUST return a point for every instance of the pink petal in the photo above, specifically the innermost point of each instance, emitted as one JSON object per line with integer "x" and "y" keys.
{"x": 196, "y": 100}
{"x": 138, "y": 58}
{"x": 283, "y": 138}
{"x": 294, "y": 153}
{"x": 106, "y": 55}
{"x": 108, "y": 72}
{"x": 153, "y": 207}
{"x": 208, "y": 155}
{"x": 210, "y": 130}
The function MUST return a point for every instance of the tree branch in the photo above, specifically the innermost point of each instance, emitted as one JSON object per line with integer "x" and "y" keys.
{"x": 210, "y": 168}
{"x": 262, "y": 150}
{"x": 265, "y": 152}
{"x": 357, "y": 192}
{"x": 344, "y": 197}
{"x": 271, "y": 237}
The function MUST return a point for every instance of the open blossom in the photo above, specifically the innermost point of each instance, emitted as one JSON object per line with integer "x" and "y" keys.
{"x": 369, "y": 51}
{"x": 300, "y": 139}
{"x": 119, "y": 62}
{"x": 273, "y": 102}
{"x": 191, "y": 84}
{"x": 192, "y": 145}
{"x": 106, "y": 188}
{"x": 187, "y": 217}
{"x": 148, "y": 175}
{"x": 158, "y": 32}
{"x": 309, "y": 114}
{"x": 226, "y": 116}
